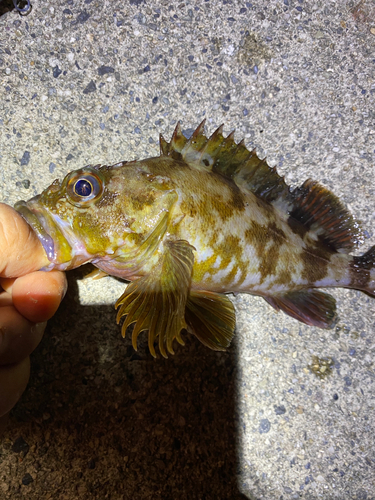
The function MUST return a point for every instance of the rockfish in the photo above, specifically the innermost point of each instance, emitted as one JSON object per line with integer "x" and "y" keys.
{"x": 205, "y": 218}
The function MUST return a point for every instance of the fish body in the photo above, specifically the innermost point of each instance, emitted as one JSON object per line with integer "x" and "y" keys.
{"x": 205, "y": 218}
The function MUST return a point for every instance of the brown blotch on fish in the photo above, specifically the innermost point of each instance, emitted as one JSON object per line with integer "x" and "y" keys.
{"x": 229, "y": 250}
{"x": 269, "y": 254}
{"x": 283, "y": 277}
{"x": 107, "y": 199}
{"x": 260, "y": 235}
{"x": 297, "y": 227}
{"x": 237, "y": 201}
{"x": 278, "y": 235}
{"x": 315, "y": 263}
{"x": 140, "y": 200}
{"x": 268, "y": 262}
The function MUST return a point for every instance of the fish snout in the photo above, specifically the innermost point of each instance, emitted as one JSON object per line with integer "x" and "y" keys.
{"x": 35, "y": 220}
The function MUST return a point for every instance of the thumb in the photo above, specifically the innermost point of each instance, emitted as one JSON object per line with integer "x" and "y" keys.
{"x": 37, "y": 295}
{"x": 20, "y": 250}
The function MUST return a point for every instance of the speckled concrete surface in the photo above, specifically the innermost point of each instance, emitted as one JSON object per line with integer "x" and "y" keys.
{"x": 288, "y": 411}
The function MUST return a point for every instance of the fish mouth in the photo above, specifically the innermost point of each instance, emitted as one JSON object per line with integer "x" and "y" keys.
{"x": 55, "y": 244}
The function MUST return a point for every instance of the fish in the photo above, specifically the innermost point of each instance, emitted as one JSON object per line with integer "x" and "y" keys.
{"x": 204, "y": 219}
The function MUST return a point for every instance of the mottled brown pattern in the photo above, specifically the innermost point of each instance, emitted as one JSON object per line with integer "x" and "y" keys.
{"x": 229, "y": 278}
{"x": 237, "y": 198}
{"x": 277, "y": 233}
{"x": 253, "y": 237}
{"x": 270, "y": 257}
{"x": 230, "y": 249}
{"x": 227, "y": 204}
{"x": 284, "y": 276}
{"x": 107, "y": 199}
{"x": 213, "y": 209}
{"x": 139, "y": 200}
{"x": 316, "y": 261}
{"x": 269, "y": 261}
{"x": 260, "y": 236}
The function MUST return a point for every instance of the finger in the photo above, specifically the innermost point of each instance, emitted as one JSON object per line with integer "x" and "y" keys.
{"x": 20, "y": 250}
{"x": 18, "y": 337}
{"x": 5, "y": 299}
{"x": 38, "y": 295}
{"x": 7, "y": 284}
{"x": 13, "y": 381}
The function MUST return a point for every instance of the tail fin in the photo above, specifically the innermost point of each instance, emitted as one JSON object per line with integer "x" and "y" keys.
{"x": 363, "y": 269}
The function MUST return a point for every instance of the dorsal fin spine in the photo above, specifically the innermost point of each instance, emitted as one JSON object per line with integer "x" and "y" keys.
{"x": 164, "y": 146}
{"x": 178, "y": 140}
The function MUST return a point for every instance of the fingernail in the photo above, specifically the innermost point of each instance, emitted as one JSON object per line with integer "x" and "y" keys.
{"x": 39, "y": 328}
{"x": 64, "y": 289}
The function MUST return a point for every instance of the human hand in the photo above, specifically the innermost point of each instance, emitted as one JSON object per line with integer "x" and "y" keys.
{"x": 28, "y": 298}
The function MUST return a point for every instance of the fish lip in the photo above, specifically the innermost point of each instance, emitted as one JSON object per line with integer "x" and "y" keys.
{"x": 58, "y": 248}
{"x": 34, "y": 218}
{"x": 61, "y": 249}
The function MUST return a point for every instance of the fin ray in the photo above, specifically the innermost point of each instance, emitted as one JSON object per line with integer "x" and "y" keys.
{"x": 321, "y": 212}
{"x": 211, "y": 318}
{"x": 223, "y": 155}
{"x": 312, "y": 307}
{"x": 156, "y": 302}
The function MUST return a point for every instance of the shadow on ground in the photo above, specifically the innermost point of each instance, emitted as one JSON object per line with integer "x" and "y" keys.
{"x": 104, "y": 421}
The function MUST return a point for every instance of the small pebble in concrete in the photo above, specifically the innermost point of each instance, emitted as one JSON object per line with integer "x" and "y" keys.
{"x": 27, "y": 479}
{"x": 25, "y": 158}
{"x": 91, "y": 87}
{"x": 20, "y": 445}
{"x": 264, "y": 426}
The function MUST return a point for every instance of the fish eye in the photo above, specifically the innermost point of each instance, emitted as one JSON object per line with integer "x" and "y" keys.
{"x": 84, "y": 187}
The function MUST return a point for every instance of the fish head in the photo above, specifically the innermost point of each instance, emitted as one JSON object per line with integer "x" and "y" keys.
{"x": 97, "y": 213}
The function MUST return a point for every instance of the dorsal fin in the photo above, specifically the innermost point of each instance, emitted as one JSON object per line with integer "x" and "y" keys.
{"x": 310, "y": 207}
{"x": 322, "y": 213}
{"x": 176, "y": 145}
{"x": 222, "y": 155}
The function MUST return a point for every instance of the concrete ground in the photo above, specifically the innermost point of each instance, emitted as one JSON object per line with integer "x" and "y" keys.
{"x": 288, "y": 411}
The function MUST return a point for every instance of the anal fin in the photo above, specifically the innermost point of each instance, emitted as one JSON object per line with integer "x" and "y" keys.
{"x": 211, "y": 318}
{"x": 311, "y": 307}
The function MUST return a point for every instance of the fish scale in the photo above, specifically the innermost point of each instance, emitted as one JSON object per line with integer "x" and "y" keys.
{"x": 205, "y": 218}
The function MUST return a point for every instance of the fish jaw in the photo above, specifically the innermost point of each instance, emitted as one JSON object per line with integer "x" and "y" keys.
{"x": 63, "y": 249}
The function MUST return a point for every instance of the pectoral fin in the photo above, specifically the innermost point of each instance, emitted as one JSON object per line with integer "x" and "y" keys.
{"x": 210, "y": 317}
{"x": 312, "y": 307}
{"x": 96, "y": 274}
{"x": 156, "y": 302}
